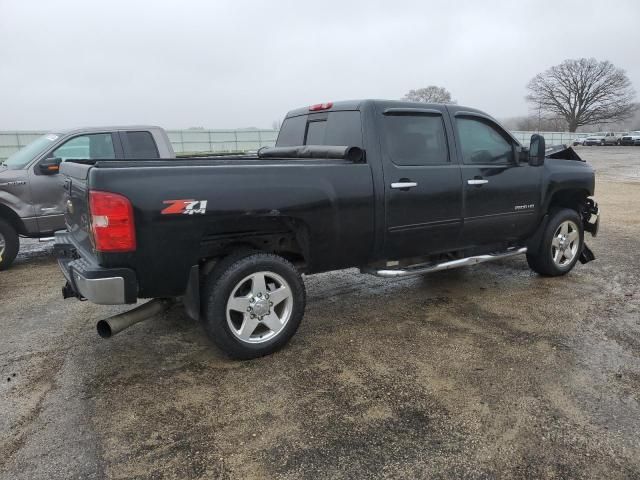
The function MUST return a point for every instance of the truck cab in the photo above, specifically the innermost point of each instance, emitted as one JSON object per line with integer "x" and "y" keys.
{"x": 31, "y": 189}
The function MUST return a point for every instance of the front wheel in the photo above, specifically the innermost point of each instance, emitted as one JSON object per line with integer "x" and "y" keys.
{"x": 9, "y": 244}
{"x": 561, "y": 244}
{"x": 254, "y": 304}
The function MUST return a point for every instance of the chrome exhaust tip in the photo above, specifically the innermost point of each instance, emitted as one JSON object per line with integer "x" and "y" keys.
{"x": 109, "y": 327}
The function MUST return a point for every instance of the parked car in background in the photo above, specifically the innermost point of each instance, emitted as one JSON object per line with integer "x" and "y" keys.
{"x": 602, "y": 138}
{"x": 631, "y": 138}
{"x": 579, "y": 141}
{"x": 31, "y": 191}
{"x": 395, "y": 188}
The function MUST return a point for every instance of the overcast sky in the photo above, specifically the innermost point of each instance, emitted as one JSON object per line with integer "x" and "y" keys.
{"x": 233, "y": 64}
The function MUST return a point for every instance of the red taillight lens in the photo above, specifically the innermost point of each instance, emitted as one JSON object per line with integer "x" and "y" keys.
{"x": 112, "y": 222}
{"x": 320, "y": 106}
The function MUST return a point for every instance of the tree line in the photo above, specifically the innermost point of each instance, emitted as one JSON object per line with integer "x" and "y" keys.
{"x": 576, "y": 93}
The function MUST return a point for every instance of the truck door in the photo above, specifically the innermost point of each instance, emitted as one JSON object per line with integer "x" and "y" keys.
{"x": 501, "y": 194}
{"x": 423, "y": 194}
{"x": 47, "y": 189}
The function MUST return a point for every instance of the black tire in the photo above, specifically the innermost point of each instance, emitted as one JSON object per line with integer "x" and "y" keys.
{"x": 602, "y": 143}
{"x": 231, "y": 273}
{"x": 542, "y": 261}
{"x": 11, "y": 244}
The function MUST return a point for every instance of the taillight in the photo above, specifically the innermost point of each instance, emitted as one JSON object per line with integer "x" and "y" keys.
{"x": 112, "y": 222}
{"x": 320, "y": 106}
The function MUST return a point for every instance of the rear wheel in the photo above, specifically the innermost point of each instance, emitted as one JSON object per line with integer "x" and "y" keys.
{"x": 602, "y": 143}
{"x": 254, "y": 304}
{"x": 9, "y": 244}
{"x": 561, "y": 244}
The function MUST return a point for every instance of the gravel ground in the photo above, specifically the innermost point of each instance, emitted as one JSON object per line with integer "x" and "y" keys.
{"x": 483, "y": 372}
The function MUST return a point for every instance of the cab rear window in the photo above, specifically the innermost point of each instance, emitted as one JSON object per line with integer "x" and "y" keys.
{"x": 333, "y": 128}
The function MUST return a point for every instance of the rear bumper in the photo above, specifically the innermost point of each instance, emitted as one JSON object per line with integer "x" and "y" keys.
{"x": 88, "y": 281}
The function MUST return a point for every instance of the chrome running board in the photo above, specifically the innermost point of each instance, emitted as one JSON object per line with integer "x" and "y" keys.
{"x": 462, "y": 262}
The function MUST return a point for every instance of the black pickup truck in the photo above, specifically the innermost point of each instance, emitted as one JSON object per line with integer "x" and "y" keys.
{"x": 394, "y": 188}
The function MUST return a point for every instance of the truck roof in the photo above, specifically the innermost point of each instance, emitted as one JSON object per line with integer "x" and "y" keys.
{"x": 111, "y": 128}
{"x": 358, "y": 104}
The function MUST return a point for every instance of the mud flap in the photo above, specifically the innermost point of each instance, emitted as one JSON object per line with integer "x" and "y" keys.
{"x": 587, "y": 255}
{"x": 535, "y": 241}
{"x": 191, "y": 298}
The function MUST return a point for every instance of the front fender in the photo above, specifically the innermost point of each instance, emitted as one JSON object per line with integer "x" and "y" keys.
{"x": 568, "y": 176}
{"x": 15, "y": 193}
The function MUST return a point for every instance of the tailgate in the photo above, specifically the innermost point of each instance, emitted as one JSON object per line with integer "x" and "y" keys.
{"x": 76, "y": 212}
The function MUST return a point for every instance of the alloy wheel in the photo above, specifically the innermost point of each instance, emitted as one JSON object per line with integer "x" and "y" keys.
{"x": 259, "y": 307}
{"x": 3, "y": 246}
{"x": 565, "y": 243}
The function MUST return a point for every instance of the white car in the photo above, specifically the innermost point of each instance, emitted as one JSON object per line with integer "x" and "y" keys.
{"x": 631, "y": 138}
{"x": 602, "y": 138}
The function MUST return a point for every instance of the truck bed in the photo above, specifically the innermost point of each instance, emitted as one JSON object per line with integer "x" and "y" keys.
{"x": 267, "y": 200}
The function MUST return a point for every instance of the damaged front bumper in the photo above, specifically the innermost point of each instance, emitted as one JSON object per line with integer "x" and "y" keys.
{"x": 591, "y": 217}
{"x": 591, "y": 224}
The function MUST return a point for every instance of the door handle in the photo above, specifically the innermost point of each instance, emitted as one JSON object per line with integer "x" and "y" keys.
{"x": 477, "y": 181}
{"x": 404, "y": 184}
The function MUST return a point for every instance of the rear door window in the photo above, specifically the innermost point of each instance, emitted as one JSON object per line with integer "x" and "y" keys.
{"x": 416, "y": 139}
{"x": 139, "y": 145}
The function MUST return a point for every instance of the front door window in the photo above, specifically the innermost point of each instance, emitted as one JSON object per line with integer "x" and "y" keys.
{"x": 87, "y": 147}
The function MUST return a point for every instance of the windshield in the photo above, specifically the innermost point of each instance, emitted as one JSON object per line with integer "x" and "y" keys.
{"x": 23, "y": 156}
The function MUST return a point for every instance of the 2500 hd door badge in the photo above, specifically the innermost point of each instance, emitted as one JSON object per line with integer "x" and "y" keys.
{"x": 185, "y": 207}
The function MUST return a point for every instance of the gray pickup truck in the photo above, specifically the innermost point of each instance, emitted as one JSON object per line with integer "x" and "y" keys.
{"x": 31, "y": 190}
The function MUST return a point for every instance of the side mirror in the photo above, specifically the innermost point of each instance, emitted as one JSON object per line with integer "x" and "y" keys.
{"x": 50, "y": 166}
{"x": 537, "y": 150}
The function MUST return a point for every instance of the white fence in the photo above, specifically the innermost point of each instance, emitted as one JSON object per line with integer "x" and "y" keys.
{"x": 550, "y": 138}
{"x": 185, "y": 141}
{"x": 191, "y": 141}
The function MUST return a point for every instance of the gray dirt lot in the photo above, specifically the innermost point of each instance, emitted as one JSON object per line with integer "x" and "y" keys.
{"x": 484, "y": 372}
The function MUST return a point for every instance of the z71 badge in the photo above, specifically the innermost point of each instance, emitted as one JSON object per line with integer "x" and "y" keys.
{"x": 185, "y": 207}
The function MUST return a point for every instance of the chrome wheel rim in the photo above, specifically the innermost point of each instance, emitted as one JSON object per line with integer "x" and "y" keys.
{"x": 259, "y": 307}
{"x": 565, "y": 243}
{"x": 3, "y": 246}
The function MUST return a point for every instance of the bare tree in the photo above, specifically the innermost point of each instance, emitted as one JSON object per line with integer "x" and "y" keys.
{"x": 431, "y": 94}
{"x": 583, "y": 92}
